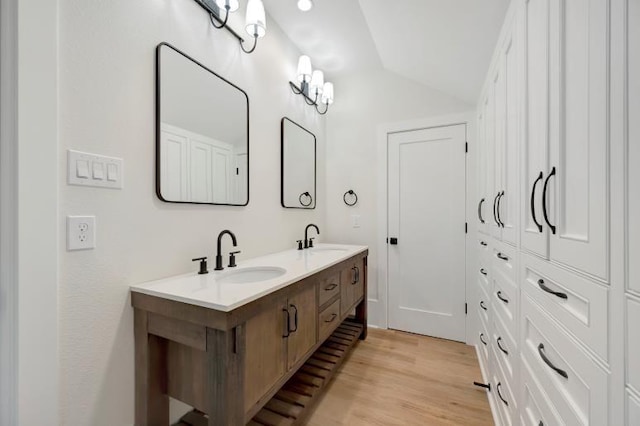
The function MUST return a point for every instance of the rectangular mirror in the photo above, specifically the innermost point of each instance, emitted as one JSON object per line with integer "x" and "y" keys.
{"x": 298, "y": 166}
{"x": 202, "y": 146}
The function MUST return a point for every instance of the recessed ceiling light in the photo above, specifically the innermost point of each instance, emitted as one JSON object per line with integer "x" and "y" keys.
{"x": 305, "y": 5}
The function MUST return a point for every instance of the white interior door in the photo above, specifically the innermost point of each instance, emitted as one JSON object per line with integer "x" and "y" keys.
{"x": 426, "y": 204}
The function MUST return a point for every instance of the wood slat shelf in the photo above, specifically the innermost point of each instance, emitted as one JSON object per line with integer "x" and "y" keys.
{"x": 293, "y": 402}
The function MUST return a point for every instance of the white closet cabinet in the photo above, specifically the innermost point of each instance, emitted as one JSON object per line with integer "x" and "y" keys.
{"x": 481, "y": 181}
{"x": 533, "y": 235}
{"x": 577, "y": 200}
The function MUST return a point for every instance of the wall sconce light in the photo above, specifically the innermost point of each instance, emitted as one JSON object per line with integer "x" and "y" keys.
{"x": 255, "y": 21}
{"x": 313, "y": 88}
{"x": 305, "y": 5}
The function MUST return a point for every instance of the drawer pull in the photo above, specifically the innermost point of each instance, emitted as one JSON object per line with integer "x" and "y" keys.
{"x": 288, "y": 321}
{"x": 482, "y": 305}
{"x": 480, "y": 211}
{"x": 295, "y": 319}
{"x": 483, "y": 272}
{"x": 483, "y": 244}
{"x": 495, "y": 217}
{"x": 542, "y": 285}
{"x": 544, "y": 200}
{"x": 533, "y": 201}
{"x": 482, "y": 340}
{"x": 356, "y": 275}
{"x": 332, "y": 318}
{"x": 506, "y": 352}
{"x": 500, "y": 394}
{"x": 549, "y": 363}
{"x": 502, "y": 256}
{"x": 499, "y": 294}
{"x": 330, "y": 287}
{"x": 501, "y": 224}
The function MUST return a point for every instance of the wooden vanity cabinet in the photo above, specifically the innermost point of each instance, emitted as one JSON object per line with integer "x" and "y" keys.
{"x": 229, "y": 365}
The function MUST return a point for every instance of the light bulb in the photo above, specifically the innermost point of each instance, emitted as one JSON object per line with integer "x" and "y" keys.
{"x": 256, "y": 23}
{"x": 304, "y": 68}
{"x": 222, "y": 5}
{"x": 317, "y": 81}
{"x": 327, "y": 93}
{"x": 305, "y": 5}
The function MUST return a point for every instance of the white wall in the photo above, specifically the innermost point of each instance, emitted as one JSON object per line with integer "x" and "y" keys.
{"x": 363, "y": 103}
{"x": 107, "y": 99}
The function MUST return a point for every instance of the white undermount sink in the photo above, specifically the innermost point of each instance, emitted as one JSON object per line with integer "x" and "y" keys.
{"x": 251, "y": 275}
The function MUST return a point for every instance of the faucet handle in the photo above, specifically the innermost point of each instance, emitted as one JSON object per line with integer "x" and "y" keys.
{"x": 311, "y": 242}
{"x": 299, "y": 244}
{"x": 232, "y": 258}
{"x": 203, "y": 265}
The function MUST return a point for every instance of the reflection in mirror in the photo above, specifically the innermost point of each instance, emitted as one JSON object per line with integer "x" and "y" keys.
{"x": 298, "y": 166}
{"x": 202, "y": 133}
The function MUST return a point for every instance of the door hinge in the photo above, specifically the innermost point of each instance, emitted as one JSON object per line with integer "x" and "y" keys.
{"x": 466, "y": 227}
{"x": 466, "y": 147}
{"x": 465, "y": 309}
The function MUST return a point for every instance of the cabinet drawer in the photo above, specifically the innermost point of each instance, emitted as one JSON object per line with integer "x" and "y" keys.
{"x": 536, "y": 407}
{"x": 571, "y": 378}
{"x": 633, "y": 410}
{"x": 329, "y": 287}
{"x": 505, "y": 349}
{"x": 484, "y": 305}
{"x": 503, "y": 259}
{"x": 352, "y": 285}
{"x": 484, "y": 252}
{"x": 329, "y": 319}
{"x": 633, "y": 344}
{"x": 505, "y": 302}
{"x": 503, "y": 396}
{"x": 580, "y": 305}
{"x": 484, "y": 280}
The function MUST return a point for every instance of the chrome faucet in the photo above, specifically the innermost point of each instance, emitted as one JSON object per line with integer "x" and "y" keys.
{"x": 219, "y": 253}
{"x": 308, "y": 242}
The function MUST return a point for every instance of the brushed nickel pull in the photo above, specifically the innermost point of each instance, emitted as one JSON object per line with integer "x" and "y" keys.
{"x": 331, "y": 287}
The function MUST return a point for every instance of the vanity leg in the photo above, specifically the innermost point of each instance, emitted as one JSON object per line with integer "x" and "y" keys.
{"x": 152, "y": 402}
{"x": 225, "y": 381}
{"x": 361, "y": 309}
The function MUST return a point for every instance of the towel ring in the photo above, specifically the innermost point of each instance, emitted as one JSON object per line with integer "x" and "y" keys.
{"x": 352, "y": 194}
{"x": 305, "y": 194}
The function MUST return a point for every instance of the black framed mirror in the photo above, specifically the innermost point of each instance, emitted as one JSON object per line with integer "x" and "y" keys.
{"x": 298, "y": 160}
{"x": 202, "y": 133}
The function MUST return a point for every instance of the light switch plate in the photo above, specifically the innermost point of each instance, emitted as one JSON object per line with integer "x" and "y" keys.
{"x": 81, "y": 232}
{"x": 355, "y": 220}
{"x": 85, "y": 169}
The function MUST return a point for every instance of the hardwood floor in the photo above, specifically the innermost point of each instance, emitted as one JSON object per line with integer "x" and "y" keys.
{"x": 397, "y": 378}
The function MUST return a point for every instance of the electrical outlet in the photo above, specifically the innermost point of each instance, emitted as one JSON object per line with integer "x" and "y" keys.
{"x": 81, "y": 232}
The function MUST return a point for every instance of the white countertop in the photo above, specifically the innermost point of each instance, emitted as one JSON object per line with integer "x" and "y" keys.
{"x": 207, "y": 290}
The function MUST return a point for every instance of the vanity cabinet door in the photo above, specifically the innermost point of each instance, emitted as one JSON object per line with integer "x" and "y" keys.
{"x": 266, "y": 351}
{"x": 303, "y": 310}
{"x": 352, "y": 286}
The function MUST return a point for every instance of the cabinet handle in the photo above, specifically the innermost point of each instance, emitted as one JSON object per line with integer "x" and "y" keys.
{"x": 482, "y": 305}
{"x": 332, "y": 318}
{"x": 483, "y": 272}
{"x": 502, "y": 256}
{"x": 506, "y": 352}
{"x": 295, "y": 318}
{"x": 549, "y": 363}
{"x": 483, "y": 244}
{"x": 532, "y": 203}
{"x": 544, "y": 200}
{"x": 500, "y": 394}
{"x": 330, "y": 287}
{"x": 480, "y": 210}
{"x": 495, "y": 217}
{"x": 288, "y": 321}
{"x": 500, "y": 223}
{"x": 499, "y": 294}
{"x": 482, "y": 340}
{"x": 356, "y": 275}
{"x": 542, "y": 285}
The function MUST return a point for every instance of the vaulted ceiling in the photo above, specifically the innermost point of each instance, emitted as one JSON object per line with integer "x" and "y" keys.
{"x": 443, "y": 44}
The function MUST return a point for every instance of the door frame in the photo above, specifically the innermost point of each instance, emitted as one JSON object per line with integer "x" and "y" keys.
{"x": 379, "y": 308}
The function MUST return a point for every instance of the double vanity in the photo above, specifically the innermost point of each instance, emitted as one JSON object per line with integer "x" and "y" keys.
{"x": 253, "y": 344}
